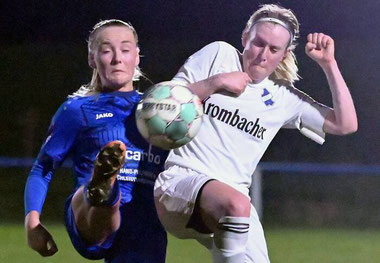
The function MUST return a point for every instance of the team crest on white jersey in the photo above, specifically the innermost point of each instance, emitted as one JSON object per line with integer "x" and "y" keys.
{"x": 267, "y": 98}
{"x": 104, "y": 115}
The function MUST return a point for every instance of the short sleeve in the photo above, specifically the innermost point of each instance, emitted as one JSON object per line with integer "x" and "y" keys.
{"x": 309, "y": 116}
{"x": 198, "y": 66}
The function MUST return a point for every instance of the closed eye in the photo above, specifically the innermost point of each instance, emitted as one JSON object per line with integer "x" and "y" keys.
{"x": 104, "y": 49}
{"x": 257, "y": 43}
{"x": 274, "y": 50}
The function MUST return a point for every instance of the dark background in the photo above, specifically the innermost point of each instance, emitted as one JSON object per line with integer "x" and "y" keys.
{"x": 43, "y": 58}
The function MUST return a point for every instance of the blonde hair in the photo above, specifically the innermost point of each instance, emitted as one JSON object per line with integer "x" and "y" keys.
{"x": 286, "y": 72}
{"x": 95, "y": 85}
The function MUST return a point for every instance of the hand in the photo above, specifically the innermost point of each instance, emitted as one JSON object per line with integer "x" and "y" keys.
{"x": 320, "y": 48}
{"x": 39, "y": 238}
{"x": 232, "y": 83}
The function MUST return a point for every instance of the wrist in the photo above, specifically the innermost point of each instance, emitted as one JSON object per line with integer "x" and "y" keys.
{"x": 329, "y": 65}
{"x": 32, "y": 219}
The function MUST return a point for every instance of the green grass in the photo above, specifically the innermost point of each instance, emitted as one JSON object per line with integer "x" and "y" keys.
{"x": 285, "y": 245}
{"x": 13, "y": 248}
{"x": 323, "y": 245}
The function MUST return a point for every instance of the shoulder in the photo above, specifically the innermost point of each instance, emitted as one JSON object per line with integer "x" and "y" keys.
{"x": 289, "y": 95}
{"x": 71, "y": 105}
{"x": 221, "y": 56}
{"x": 218, "y": 47}
{"x": 295, "y": 100}
{"x": 284, "y": 90}
{"x": 114, "y": 98}
{"x": 298, "y": 94}
{"x": 224, "y": 46}
{"x": 70, "y": 110}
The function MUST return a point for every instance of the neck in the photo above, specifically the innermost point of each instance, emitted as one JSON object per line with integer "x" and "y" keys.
{"x": 124, "y": 88}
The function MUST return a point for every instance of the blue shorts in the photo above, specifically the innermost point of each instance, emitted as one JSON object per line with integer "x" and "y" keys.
{"x": 141, "y": 237}
{"x": 89, "y": 252}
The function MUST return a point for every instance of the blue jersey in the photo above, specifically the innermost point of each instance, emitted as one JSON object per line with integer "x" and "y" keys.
{"x": 79, "y": 129}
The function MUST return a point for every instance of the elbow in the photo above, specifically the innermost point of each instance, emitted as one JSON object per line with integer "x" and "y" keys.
{"x": 348, "y": 129}
{"x": 354, "y": 127}
{"x": 341, "y": 126}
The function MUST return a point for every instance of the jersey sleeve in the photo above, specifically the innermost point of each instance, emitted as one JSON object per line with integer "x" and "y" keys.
{"x": 62, "y": 133}
{"x": 309, "y": 118}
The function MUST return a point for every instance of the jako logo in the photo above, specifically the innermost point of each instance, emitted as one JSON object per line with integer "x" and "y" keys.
{"x": 104, "y": 115}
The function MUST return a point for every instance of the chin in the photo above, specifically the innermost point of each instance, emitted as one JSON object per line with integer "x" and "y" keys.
{"x": 257, "y": 78}
{"x": 117, "y": 83}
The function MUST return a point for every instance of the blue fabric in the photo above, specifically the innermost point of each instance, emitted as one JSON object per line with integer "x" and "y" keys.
{"x": 140, "y": 238}
{"x": 79, "y": 129}
{"x": 89, "y": 252}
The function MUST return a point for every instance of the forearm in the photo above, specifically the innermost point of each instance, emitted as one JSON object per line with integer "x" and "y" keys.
{"x": 204, "y": 88}
{"x": 342, "y": 120}
{"x": 230, "y": 84}
{"x": 36, "y": 190}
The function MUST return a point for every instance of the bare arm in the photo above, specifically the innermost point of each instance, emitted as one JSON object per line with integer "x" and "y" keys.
{"x": 38, "y": 237}
{"x": 342, "y": 119}
{"x": 232, "y": 84}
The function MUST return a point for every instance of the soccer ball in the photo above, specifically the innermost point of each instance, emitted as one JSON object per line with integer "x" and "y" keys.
{"x": 169, "y": 115}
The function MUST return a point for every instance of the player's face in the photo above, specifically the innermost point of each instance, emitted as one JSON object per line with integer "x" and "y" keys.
{"x": 116, "y": 57}
{"x": 265, "y": 46}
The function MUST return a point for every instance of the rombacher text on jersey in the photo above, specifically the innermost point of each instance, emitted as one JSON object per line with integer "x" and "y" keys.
{"x": 234, "y": 119}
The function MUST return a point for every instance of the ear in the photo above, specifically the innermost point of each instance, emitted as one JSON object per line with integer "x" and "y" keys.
{"x": 91, "y": 60}
{"x": 137, "y": 62}
{"x": 287, "y": 53}
{"x": 244, "y": 38}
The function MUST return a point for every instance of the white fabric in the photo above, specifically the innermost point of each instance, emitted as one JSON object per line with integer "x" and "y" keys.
{"x": 256, "y": 247}
{"x": 233, "y": 137}
{"x": 230, "y": 239}
{"x": 228, "y": 148}
{"x": 177, "y": 189}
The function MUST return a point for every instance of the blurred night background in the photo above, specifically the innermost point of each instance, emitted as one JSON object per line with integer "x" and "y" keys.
{"x": 43, "y": 58}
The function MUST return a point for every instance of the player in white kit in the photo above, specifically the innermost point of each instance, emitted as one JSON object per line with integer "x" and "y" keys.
{"x": 248, "y": 97}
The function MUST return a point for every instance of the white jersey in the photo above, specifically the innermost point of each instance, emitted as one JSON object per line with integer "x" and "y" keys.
{"x": 236, "y": 131}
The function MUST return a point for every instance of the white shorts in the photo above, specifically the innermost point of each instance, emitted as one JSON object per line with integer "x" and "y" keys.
{"x": 175, "y": 192}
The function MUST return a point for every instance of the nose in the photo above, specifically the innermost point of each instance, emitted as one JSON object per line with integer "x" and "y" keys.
{"x": 263, "y": 55}
{"x": 116, "y": 59}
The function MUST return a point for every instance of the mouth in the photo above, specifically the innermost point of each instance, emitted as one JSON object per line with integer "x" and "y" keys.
{"x": 117, "y": 71}
{"x": 257, "y": 66}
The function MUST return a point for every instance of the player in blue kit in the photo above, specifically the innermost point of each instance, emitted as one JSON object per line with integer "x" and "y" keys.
{"x": 111, "y": 213}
